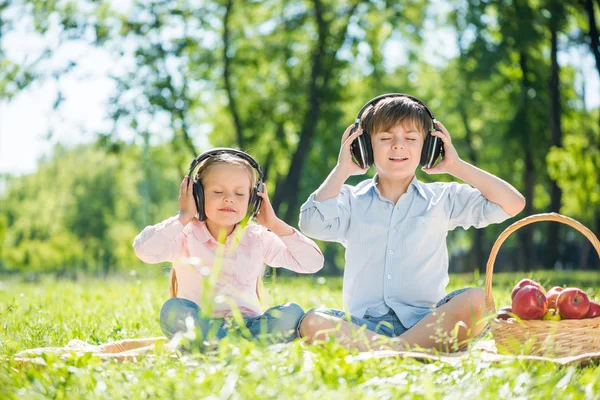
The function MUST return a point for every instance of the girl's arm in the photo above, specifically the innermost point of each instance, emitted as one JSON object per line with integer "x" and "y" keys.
{"x": 161, "y": 242}
{"x": 295, "y": 252}
{"x": 165, "y": 241}
{"x": 283, "y": 245}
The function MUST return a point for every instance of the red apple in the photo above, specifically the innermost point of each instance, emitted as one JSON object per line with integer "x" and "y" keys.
{"x": 525, "y": 282}
{"x": 504, "y": 313}
{"x": 552, "y": 295}
{"x": 594, "y": 310}
{"x": 530, "y": 303}
{"x": 573, "y": 303}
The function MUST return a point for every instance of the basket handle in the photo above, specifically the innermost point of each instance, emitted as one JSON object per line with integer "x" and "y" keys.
{"x": 489, "y": 270}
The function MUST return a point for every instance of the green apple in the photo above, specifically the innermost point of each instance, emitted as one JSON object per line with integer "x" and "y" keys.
{"x": 551, "y": 315}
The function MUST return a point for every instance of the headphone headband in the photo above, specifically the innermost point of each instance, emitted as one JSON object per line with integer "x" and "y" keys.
{"x": 255, "y": 200}
{"x": 384, "y": 96}
{"x": 227, "y": 150}
{"x": 362, "y": 151}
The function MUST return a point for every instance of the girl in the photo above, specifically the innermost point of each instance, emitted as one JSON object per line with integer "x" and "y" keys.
{"x": 217, "y": 258}
{"x": 210, "y": 241}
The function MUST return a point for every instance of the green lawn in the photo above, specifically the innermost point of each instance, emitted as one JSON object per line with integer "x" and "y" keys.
{"x": 51, "y": 313}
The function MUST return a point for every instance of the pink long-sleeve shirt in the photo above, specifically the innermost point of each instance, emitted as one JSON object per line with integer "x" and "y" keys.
{"x": 193, "y": 252}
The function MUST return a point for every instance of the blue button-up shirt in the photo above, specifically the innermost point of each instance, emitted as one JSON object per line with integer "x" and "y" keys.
{"x": 396, "y": 254}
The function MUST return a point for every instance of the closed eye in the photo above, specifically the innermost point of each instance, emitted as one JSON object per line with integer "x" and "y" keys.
{"x": 240, "y": 194}
{"x": 217, "y": 191}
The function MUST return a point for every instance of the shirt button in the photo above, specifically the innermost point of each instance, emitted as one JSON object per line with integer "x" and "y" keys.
{"x": 391, "y": 251}
{"x": 389, "y": 277}
{"x": 394, "y": 230}
{"x": 422, "y": 220}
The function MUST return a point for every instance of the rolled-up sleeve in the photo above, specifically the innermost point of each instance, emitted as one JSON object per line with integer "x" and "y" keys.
{"x": 326, "y": 220}
{"x": 161, "y": 242}
{"x": 470, "y": 208}
{"x": 295, "y": 252}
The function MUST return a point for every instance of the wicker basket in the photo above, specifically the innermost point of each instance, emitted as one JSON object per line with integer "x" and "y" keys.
{"x": 538, "y": 337}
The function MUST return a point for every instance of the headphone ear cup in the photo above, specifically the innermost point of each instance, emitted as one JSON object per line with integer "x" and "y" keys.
{"x": 255, "y": 201}
{"x": 425, "y": 150}
{"x": 432, "y": 149}
{"x": 369, "y": 149}
{"x": 362, "y": 151}
{"x": 198, "y": 192}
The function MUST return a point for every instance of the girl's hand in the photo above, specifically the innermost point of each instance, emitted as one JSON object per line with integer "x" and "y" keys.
{"x": 187, "y": 205}
{"x": 267, "y": 218}
{"x": 345, "y": 161}
{"x": 450, "y": 159}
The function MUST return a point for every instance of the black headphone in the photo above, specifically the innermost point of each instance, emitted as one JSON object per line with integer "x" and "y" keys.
{"x": 198, "y": 190}
{"x": 362, "y": 151}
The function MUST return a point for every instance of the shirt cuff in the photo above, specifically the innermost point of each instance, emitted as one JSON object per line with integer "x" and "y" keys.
{"x": 495, "y": 214}
{"x": 327, "y": 208}
{"x": 298, "y": 237}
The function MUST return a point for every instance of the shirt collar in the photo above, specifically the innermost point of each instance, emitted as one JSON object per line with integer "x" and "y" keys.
{"x": 202, "y": 234}
{"x": 415, "y": 184}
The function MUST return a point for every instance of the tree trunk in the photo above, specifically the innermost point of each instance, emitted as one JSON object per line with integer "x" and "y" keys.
{"x": 526, "y": 233}
{"x": 552, "y": 244}
{"x": 185, "y": 132}
{"x": 476, "y": 259}
{"x": 287, "y": 193}
{"x": 477, "y": 256}
{"x": 593, "y": 32}
{"x": 227, "y": 78}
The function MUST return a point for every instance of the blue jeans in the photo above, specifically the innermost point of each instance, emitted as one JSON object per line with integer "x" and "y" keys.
{"x": 389, "y": 324}
{"x": 278, "y": 324}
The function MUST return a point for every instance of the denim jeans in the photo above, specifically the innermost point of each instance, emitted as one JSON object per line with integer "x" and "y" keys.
{"x": 389, "y": 324}
{"x": 278, "y": 324}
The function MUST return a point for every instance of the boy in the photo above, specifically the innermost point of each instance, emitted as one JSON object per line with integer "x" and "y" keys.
{"x": 394, "y": 229}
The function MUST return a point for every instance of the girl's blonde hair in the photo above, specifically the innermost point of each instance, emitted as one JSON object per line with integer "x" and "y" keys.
{"x": 203, "y": 170}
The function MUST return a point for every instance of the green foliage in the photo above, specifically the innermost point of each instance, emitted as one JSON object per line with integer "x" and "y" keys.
{"x": 283, "y": 79}
{"x": 576, "y": 167}
{"x": 82, "y": 209}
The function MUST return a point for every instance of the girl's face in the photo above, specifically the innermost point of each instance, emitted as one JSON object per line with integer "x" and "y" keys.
{"x": 226, "y": 194}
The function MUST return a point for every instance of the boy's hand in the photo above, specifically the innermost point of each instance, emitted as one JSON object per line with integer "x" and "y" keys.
{"x": 450, "y": 159}
{"x": 345, "y": 162}
{"x": 267, "y": 218}
{"x": 187, "y": 205}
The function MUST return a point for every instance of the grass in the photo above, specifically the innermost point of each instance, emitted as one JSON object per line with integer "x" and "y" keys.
{"x": 52, "y": 313}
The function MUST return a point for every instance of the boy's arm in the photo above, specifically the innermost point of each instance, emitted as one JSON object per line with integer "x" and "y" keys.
{"x": 491, "y": 187}
{"x": 343, "y": 170}
{"x": 326, "y": 213}
{"x": 332, "y": 185}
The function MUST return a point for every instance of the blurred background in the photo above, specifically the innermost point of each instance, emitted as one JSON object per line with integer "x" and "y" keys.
{"x": 103, "y": 104}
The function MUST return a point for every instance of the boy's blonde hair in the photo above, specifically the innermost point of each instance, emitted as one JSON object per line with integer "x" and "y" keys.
{"x": 203, "y": 170}
{"x": 392, "y": 111}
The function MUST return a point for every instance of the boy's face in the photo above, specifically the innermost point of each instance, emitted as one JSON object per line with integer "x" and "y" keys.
{"x": 226, "y": 194}
{"x": 397, "y": 152}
